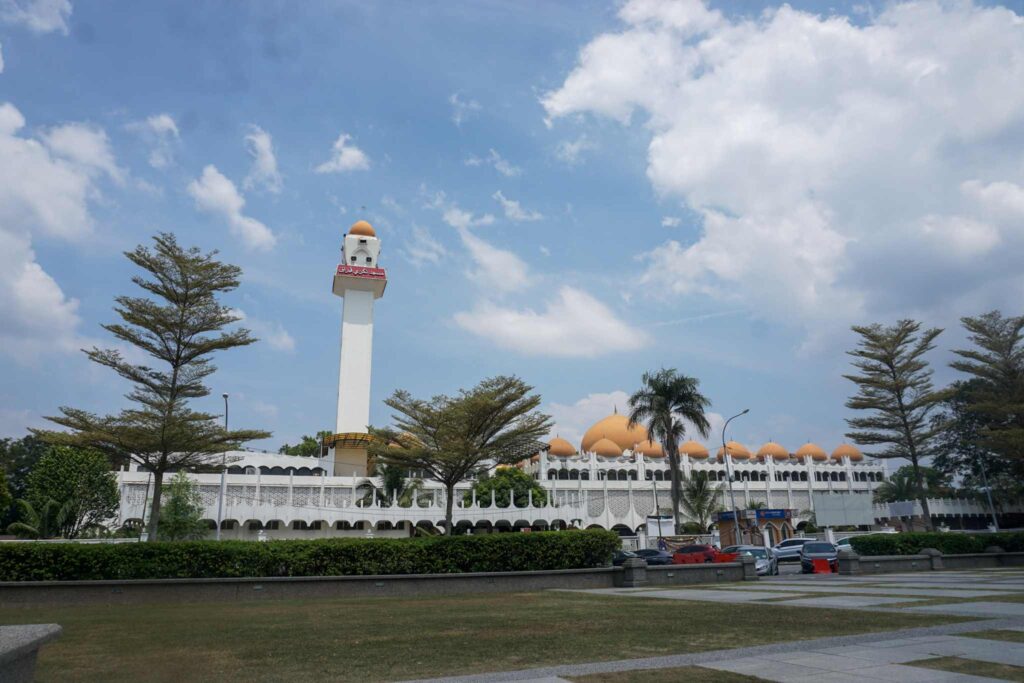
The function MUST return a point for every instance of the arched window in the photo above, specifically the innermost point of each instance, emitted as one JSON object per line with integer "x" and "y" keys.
{"x": 574, "y": 475}
{"x": 585, "y": 475}
{"x": 563, "y": 474}
{"x": 632, "y": 475}
{"x": 648, "y": 475}
{"x": 552, "y": 474}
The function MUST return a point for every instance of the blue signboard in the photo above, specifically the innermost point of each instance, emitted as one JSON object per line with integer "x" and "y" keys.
{"x": 775, "y": 513}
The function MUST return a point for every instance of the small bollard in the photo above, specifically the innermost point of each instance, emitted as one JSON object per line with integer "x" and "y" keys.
{"x": 749, "y": 567}
{"x": 849, "y": 562}
{"x": 934, "y": 557}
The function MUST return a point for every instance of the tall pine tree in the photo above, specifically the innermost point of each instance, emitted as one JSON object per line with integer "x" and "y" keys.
{"x": 180, "y": 328}
{"x": 894, "y": 385}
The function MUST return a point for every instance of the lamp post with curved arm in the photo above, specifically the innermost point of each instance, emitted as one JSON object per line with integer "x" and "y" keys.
{"x": 728, "y": 466}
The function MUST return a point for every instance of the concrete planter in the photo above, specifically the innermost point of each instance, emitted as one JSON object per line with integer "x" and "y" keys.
{"x": 19, "y": 648}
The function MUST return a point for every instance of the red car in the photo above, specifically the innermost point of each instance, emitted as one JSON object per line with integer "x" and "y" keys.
{"x": 695, "y": 554}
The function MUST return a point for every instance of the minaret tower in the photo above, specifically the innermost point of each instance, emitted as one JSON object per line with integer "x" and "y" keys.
{"x": 359, "y": 281}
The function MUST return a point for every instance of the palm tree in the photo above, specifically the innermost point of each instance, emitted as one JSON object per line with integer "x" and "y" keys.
{"x": 42, "y": 523}
{"x": 665, "y": 403}
{"x": 699, "y": 498}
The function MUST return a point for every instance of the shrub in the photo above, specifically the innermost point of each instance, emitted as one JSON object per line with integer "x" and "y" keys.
{"x": 323, "y": 557}
{"x": 946, "y": 543}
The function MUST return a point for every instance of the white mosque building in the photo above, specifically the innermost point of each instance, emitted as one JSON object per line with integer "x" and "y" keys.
{"x": 611, "y": 480}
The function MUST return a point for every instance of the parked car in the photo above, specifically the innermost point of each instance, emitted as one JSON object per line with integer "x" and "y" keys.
{"x": 844, "y": 544}
{"x": 621, "y": 556}
{"x": 789, "y": 550}
{"x": 694, "y": 554}
{"x": 654, "y": 556}
{"x": 764, "y": 561}
{"x": 818, "y": 550}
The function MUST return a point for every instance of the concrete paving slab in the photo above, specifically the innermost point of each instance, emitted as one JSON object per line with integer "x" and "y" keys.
{"x": 713, "y": 595}
{"x": 863, "y": 590}
{"x": 767, "y": 669}
{"x": 833, "y": 677}
{"x": 819, "y": 660}
{"x": 913, "y": 674}
{"x": 841, "y": 601}
{"x": 974, "y": 609}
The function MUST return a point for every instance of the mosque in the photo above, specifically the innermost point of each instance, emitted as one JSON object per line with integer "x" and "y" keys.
{"x": 614, "y": 479}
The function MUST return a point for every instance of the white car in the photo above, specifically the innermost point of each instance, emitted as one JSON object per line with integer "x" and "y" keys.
{"x": 789, "y": 549}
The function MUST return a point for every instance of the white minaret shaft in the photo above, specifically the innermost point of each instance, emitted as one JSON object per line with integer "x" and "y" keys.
{"x": 356, "y": 354}
{"x": 360, "y": 281}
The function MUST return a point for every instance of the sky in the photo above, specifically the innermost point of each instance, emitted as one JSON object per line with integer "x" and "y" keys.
{"x": 574, "y": 193}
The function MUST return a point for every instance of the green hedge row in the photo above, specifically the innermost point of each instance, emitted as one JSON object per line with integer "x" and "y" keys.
{"x": 323, "y": 557}
{"x": 952, "y": 543}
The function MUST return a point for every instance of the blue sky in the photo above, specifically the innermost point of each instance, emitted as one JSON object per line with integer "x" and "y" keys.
{"x": 574, "y": 193}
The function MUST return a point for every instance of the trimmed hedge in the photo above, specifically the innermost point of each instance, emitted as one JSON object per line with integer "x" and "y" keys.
{"x": 951, "y": 543}
{"x": 322, "y": 557}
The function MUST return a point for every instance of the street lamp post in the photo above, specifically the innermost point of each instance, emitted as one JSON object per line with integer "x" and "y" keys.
{"x": 728, "y": 466}
{"x": 223, "y": 472}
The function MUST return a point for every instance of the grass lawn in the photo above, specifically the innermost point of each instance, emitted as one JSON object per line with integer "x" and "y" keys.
{"x": 997, "y": 634}
{"x": 683, "y": 674}
{"x": 393, "y": 638}
{"x": 973, "y": 667}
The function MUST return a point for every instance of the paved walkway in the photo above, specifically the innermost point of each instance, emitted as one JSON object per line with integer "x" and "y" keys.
{"x": 872, "y": 656}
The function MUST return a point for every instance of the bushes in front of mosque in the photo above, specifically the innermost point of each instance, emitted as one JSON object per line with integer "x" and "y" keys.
{"x": 321, "y": 557}
{"x": 952, "y": 543}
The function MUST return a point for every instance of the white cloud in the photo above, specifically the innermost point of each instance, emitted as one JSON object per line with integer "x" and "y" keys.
{"x": 497, "y": 269}
{"x": 273, "y": 333}
{"x": 344, "y": 157}
{"x": 572, "y": 325}
{"x": 161, "y": 132}
{"x": 46, "y": 185}
{"x": 458, "y": 218}
{"x": 1, "y": 58}
{"x": 215, "y": 194}
{"x": 571, "y": 151}
{"x": 671, "y": 221}
{"x": 514, "y": 210}
{"x": 544, "y": 250}
{"x": 39, "y": 16}
{"x": 830, "y": 161}
{"x": 462, "y": 109}
{"x": 500, "y": 164}
{"x": 423, "y": 248}
{"x": 86, "y": 146}
{"x": 263, "y": 172}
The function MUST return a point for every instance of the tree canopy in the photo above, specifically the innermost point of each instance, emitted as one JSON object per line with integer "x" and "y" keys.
{"x": 894, "y": 386}
{"x": 451, "y": 438}
{"x": 180, "y": 328}
{"x": 181, "y": 519}
{"x": 507, "y": 483}
{"x": 308, "y": 446}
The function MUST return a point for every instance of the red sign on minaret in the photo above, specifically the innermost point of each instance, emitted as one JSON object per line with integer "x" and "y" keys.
{"x": 358, "y": 271}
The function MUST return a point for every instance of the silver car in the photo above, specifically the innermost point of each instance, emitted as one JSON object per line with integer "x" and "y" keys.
{"x": 764, "y": 561}
{"x": 789, "y": 550}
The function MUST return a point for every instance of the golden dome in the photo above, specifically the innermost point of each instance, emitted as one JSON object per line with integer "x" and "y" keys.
{"x": 362, "y": 228}
{"x": 560, "y": 448}
{"x": 737, "y": 450}
{"x": 650, "y": 449}
{"x": 616, "y": 429}
{"x": 773, "y": 450}
{"x": 845, "y": 450}
{"x": 606, "y": 448}
{"x": 693, "y": 449}
{"x": 812, "y": 450}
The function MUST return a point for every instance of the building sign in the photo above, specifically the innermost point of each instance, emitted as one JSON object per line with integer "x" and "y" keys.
{"x": 752, "y": 515}
{"x": 359, "y": 271}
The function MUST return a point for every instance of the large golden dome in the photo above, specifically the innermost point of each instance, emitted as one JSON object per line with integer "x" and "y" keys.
{"x": 774, "y": 451}
{"x": 845, "y": 450}
{"x": 812, "y": 450}
{"x": 560, "y": 448}
{"x": 606, "y": 448}
{"x": 616, "y": 429}
{"x": 694, "y": 449}
{"x": 363, "y": 229}
{"x": 737, "y": 450}
{"x": 651, "y": 449}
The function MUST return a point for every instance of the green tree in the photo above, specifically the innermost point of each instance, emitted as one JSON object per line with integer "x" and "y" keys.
{"x": 665, "y": 403}
{"x": 17, "y": 458}
{"x": 181, "y": 328}
{"x": 995, "y": 393}
{"x": 506, "y": 483}
{"x": 902, "y": 485}
{"x": 394, "y": 485}
{"x": 42, "y": 522}
{"x": 181, "y": 517}
{"x": 451, "y": 438}
{"x": 308, "y": 447}
{"x": 80, "y": 483}
{"x": 894, "y": 385}
{"x": 6, "y": 497}
{"x": 699, "y": 498}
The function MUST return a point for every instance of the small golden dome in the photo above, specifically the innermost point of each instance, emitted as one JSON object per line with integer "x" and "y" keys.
{"x": 606, "y": 448}
{"x": 845, "y": 450}
{"x": 812, "y": 450}
{"x": 649, "y": 449}
{"x": 773, "y": 450}
{"x": 560, "y": 448}
{"x": 694, "y": 449}
{"x": 362, "y": 228}
{"x": 737, "y": 450}
{"x": 616, "y": 429}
